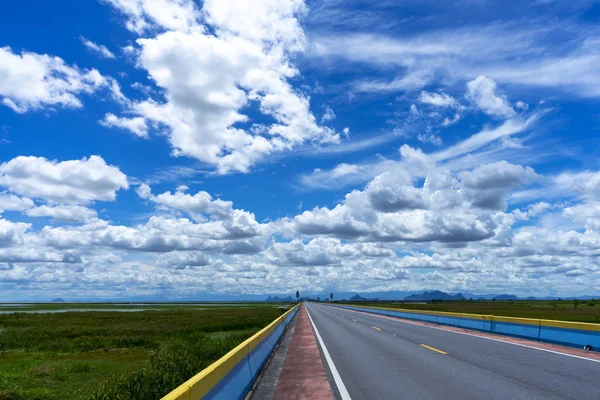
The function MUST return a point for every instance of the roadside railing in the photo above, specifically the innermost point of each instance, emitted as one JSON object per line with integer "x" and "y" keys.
{"x": 574, "y": 334}
{"x": 232, "y": 376}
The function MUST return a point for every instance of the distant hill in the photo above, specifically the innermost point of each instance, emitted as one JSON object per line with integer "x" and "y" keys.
{"x": 276, "y": 299}
{"x": 58, "y": 300}
{"x": 435, "y": 295}
{"x": 506, "y": 297}
{"x": 357, "y": 297}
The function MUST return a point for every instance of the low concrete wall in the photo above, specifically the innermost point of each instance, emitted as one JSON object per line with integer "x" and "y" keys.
{"x": 232, "y": 376}
{"x": 574, "y": 334}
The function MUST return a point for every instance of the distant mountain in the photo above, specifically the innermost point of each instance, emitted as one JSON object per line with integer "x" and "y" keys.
{"x": 435, "y": 295}
{"x": 276, "y": 299}
{"x": 357, "y": 297}
{"x": 58, "y": 300}
{"x": 506, "y": 297}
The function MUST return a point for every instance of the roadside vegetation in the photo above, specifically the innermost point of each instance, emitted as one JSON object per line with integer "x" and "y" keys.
{"x": 117, "y": 355}
{"x": 563, "y": 310}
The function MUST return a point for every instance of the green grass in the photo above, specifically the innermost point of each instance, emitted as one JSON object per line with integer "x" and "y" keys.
{"x": 585, "y": 311}
{"x": 114, "y": 355}
{"x": 30, "y": 307}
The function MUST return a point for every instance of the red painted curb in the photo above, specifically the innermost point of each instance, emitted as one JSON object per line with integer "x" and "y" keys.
{"x": 303, "y": 376}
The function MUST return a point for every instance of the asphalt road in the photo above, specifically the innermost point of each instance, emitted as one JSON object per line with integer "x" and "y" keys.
{"x": 379, "y": 358}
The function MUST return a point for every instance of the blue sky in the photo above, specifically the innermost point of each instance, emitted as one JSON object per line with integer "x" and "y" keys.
{"x": 182, "y": 149}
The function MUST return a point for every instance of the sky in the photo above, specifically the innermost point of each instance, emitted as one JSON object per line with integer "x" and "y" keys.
{"x": 184, "y": 149}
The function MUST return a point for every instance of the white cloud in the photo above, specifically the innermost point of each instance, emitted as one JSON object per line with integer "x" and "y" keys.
{"x": 521, "y": 105}
{"x": 100, "y": 49}
{"x": 11, "y": 202}
{"x": 459, "y": 156}
{"x": 497, "y": 175}
{"x": 411, "y": 81}
{"x": 64, "y": 213}
{"x": 508, "y": 128}
{"x": 12, "y": 233}
{"x": 209, "y": 77}
{"x": 183, "y": 259}
{"x": 430, "y": 138}
{"x": 482, "y": 92}
{"x": 587, "y": 213}
{"x": 437, "y": 99}
{"x": 328, "y": 115}
{"x": 505, "y": 52}
{"x": 168, "y": 14}
{"x": 319, "y": 251}
{"x": 33, "y": 81}
{"x": 200, "y": 203}
{"x": 73, "y": 182}
{"x": 137, "y": 125}
{"x": 451, "y": 121}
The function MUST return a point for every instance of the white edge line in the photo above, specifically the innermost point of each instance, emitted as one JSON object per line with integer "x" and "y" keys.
{"x": 470, "y": 334}
{"x": 336, "y": 375}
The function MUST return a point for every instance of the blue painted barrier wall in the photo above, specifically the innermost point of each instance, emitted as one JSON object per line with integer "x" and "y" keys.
{"x": 565, "y": 333}
{"x": 238, "y": 382}
{"x": 233, "y": 375}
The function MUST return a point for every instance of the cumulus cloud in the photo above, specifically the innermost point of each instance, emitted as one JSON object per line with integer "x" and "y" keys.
{"x": 183, "y": 259}
{"x": 33, "y": 81}
{"x": 210, "y": 77}
{"x": 11, "y": 202}
{"x": 12, "y": 233}
{"x": 200, "y": 203}
{"x": 482, "y": 92}
{"x": 446, "y": 207}
{"x": 72, "y": 182}
{"x": 497, "y": 175}
{"x": 445, "y": 220}
{"x": 391, "y": 192}
{"x": 168, "y": 14}
{"x": 318, "y": 251}
{"x": 138, "y": 125}
{"x": 158, "y": 235}
{"x": 437, "y": 99}
{"x": 587, "y": 213}
{"x": 63, "y": 213}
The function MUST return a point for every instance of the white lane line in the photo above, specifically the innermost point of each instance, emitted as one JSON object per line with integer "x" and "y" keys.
{"x": 477, "y": 336}
{"x": 336, "y": 375}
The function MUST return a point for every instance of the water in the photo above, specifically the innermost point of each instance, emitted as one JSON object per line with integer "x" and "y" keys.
{"x": 64, "y": 310}
{"x": 15, "y": 305}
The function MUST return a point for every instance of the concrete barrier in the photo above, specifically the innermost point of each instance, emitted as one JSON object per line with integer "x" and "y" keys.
{"x": 232, "y": 376}
{"x": 574, "y": 334}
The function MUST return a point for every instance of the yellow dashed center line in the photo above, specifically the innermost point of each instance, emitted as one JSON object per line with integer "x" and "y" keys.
{"x": 433, "y": 349}
{"x": 374, "y": 327}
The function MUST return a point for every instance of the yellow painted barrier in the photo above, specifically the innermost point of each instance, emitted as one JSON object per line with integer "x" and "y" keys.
{"x": 200, "y": 384}
{"x": 586, "y": 326}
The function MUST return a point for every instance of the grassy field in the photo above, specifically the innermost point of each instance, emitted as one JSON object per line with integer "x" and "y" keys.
{"x": 117, "y": 355}
{"x": 566, "y": 310}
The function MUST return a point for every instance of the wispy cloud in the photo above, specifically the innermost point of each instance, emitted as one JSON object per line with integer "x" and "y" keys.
{"x": 98, "y": 48}
{"x": 352, "y": 146}
{"x": 482, "y": 138}
{"x": 462, "y": 155}
{"x": 560, "y": 56}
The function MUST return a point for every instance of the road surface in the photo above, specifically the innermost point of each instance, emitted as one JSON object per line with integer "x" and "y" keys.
{"x": 380, "y": 359}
